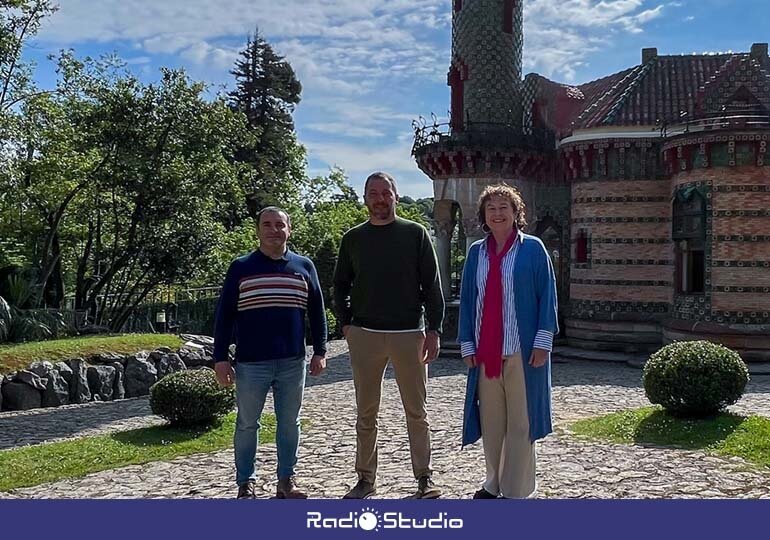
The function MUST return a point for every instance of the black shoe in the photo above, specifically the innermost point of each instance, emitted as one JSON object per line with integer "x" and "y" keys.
{"x": 426, "y": 489}
{"x": 362, "y": 490}
{"x": 247, "y": 490}
{"x": 483, "y": 494}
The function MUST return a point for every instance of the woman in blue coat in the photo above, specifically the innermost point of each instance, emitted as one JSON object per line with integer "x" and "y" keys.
{"x": 507, "y": 323}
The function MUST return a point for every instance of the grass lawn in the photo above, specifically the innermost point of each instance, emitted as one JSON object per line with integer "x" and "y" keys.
{"x": 725, "y": 434}
{"x": 38, "y": 464}
{"x": 17, "y": 356}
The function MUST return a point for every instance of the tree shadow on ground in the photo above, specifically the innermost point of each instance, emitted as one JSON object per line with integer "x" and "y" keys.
{"x": 162, "y": 435}
{"x": 662, "y": 429}
{"x": 67, "y": 421}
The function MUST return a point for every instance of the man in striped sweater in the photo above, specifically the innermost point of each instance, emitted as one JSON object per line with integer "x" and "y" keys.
{"x": 262, "y": 308}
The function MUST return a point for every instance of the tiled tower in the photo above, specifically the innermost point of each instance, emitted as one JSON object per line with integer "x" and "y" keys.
{"x": 485, "y": 72}
{"x": 486, "y": 141}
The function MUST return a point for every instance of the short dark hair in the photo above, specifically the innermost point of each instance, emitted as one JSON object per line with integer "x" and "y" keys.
{"x": 274, "y": 209}
{"x": 383, "y": 176}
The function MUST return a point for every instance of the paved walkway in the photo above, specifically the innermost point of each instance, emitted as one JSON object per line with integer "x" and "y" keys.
{"x": 567, "y": 467}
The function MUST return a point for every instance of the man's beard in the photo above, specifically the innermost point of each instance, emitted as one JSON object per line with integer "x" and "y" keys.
{"x": 380, "y": 210}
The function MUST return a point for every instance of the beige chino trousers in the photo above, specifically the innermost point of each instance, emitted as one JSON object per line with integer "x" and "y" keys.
{"x": 508, "y": 451}
{"x": 369, "y": 356}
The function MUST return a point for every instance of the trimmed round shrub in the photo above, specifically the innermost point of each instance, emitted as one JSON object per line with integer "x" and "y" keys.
{"x": 191, "y": 397}
{"x": 695, "y": 378}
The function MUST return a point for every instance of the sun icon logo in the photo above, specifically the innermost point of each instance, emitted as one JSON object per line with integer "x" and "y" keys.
{"x": 369, "y": 520}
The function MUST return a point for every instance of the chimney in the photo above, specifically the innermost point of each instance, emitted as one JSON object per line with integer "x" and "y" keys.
{"x": 759, "y": 51}
{"x": 649, "y": 54}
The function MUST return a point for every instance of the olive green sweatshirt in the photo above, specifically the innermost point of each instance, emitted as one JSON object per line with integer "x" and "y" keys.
{"x": 387, "y": 278}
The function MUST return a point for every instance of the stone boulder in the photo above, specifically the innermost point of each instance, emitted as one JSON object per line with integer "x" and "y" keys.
{"x": 140, "y": 375}
{"x": 20, "y": 396}
{"x": 169, "y": 363}
{"x": 192, "y": 358}
{"x": 57, "y": 389}
{"x": 41, "y": 369}
{"x": 107, "y": 359}
{"x": 80, "y": 392}
{"x": 65, "y": 371}
{"x": 118, "y": 387}
{"x": 100, "y": 381}
{"x": 31, "y": 378}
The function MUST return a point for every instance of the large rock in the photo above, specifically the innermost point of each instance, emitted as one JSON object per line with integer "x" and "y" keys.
{"x": 107, "y": 359}
{"x": 65, "y": 371}
{"x": 42, "y": 369}
{"x": 169, "y": 363}
{"x": 79, "y": 389}
{"x": 56, "y": 391}
{"x": 192, "y": 358}
{"x": 118, "y": 388}
{"x": 30, "y": 378}
{"x": 140, "y": 375}
{"x": 20, "y": 396}
{"x": 100, "y": 382}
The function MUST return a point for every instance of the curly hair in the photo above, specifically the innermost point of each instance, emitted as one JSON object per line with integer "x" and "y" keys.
{"x": 507, "y": 192}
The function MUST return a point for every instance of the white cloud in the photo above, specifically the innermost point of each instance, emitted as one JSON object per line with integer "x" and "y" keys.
{"x": 341, "y": 129}
{"x": 559, "y": 35}
{"x": 366, "y": 65}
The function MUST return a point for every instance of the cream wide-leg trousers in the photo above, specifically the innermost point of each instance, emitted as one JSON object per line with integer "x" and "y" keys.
{"x": 508, "y": 451}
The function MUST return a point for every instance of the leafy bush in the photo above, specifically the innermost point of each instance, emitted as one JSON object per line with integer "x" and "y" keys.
{"x": 331, "y": 322}
{"x": 695, "y": 378}
{"x": 193, "y": 397}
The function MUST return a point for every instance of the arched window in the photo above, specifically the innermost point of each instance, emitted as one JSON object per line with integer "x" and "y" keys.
{"x": 689, "y": 236}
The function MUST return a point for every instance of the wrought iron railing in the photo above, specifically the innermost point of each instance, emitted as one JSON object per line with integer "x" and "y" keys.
{"x": 479, "y": 134}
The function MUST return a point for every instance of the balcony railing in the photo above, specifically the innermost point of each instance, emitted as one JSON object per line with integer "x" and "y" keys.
{"x": 727, "y": 119}
{"x": 480, "y": 134}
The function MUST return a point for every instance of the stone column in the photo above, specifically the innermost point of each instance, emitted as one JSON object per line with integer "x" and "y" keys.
{"x": 444, "y": 231}
{"x": 472, "y": 230}
{"x": 444, "y": 225}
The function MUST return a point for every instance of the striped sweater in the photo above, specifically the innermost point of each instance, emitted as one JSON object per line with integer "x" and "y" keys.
{"x": 263, "y": 305}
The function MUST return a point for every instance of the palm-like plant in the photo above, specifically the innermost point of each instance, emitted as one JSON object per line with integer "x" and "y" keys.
{"x": 6, "y": 320}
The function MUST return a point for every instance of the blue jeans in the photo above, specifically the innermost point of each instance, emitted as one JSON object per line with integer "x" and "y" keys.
{"x": 252, "y": 382}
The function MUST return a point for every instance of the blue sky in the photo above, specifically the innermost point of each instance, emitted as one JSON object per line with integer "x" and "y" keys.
{"x": 368, "y": 67}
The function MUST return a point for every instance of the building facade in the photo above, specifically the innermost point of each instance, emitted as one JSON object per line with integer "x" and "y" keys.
{"x": 650, "y": 187}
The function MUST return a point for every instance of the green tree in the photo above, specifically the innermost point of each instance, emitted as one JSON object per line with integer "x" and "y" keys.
{"x": 19, "y": 21}
{"x": 266, "y": 92}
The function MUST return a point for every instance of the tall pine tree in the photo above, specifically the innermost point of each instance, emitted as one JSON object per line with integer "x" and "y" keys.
{"x": 267, "y": 90}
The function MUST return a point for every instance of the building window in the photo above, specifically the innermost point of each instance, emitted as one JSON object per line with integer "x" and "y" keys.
{"x": 457, "y": 86}
{"x": 508, "y": 16}
{"x": 458, "y": 5}
{"x": 689, "y": 235}
{"x": 581, "y": 247}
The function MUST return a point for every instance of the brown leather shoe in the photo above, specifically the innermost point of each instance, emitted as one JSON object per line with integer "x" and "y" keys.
{"x": 247, "y": 490}
{"x": 287, "y": 489}
{"x": 426, "y": 489}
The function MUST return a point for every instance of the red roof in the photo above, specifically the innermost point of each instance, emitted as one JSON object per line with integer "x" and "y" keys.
{"x": 664, "y": 89}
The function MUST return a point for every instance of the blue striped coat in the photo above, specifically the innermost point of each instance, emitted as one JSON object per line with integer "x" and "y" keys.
{"x": 534, "y": 304}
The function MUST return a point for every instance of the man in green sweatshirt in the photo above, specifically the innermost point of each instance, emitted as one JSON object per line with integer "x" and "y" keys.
{"x": 388, "y": 297}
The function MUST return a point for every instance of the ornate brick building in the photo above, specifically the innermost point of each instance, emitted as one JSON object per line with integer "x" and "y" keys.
{"x": 650, "y": 187}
